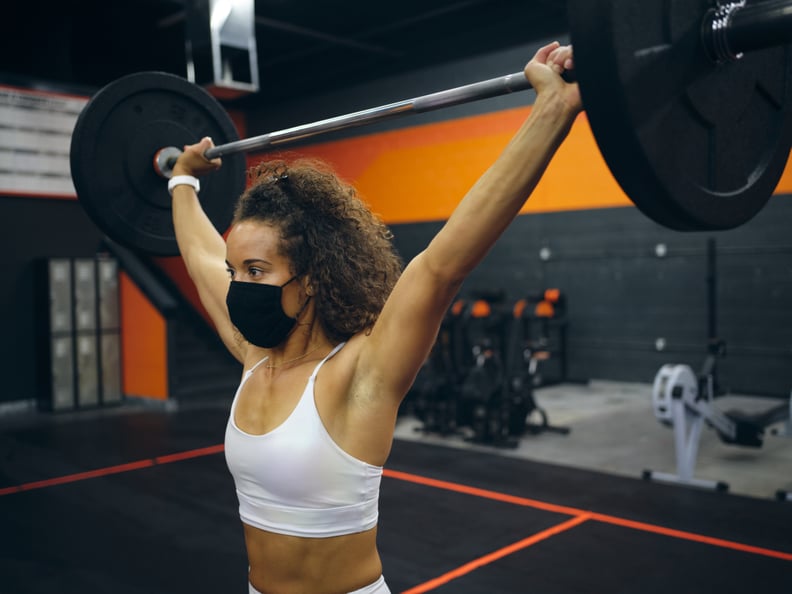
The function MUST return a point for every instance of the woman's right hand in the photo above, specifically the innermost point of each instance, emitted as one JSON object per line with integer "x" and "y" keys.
{"x": 192, "y": 160}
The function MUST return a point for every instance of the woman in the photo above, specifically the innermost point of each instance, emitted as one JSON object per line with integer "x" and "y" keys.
{"x": 331, "y": 337}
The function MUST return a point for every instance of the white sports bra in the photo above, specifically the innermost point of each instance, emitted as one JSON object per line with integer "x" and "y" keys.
{"x": 295, "y": 479}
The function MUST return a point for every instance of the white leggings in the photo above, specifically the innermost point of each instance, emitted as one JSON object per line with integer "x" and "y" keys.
{"x": 378, "y": 587}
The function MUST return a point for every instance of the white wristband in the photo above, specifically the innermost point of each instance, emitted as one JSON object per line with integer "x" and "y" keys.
{"x": 183, "y": 180}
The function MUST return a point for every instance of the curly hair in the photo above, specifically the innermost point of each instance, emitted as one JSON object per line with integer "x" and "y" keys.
{"x": 328, "y": 233}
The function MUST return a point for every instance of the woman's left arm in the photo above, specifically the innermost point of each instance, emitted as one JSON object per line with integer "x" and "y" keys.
{"x": 407, "y": 327}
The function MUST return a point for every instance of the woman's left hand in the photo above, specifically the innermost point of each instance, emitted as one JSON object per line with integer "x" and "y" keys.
{"x": 545, "y": 69}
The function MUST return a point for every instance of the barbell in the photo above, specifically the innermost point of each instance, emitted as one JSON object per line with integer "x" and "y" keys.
{"x": 688, "y": 100}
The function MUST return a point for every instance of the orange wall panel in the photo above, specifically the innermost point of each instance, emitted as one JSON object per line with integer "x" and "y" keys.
{"x": 785, "y": 184}
{"x": 176, "y": 270}
{"x": 420, "y": 173}
{"x": 143, "y": 344}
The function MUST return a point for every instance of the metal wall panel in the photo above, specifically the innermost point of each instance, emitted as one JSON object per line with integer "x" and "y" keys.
{"x": 110, "y": 354}
{"x": 84, "y": 295}
{"x": 82, "y": 354}
{"x": 39, "y": 230}
{"x": 62, "y": 395}
{"x": 59, "y": 273}
{"x": 87, "y": 365}
{"x": 107, "y": 281}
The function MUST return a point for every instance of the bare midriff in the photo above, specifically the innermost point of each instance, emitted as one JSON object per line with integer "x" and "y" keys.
{"x": 289, "y": 564}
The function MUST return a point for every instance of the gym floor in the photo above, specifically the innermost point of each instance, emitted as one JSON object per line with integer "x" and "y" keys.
{"x": 138, "y": 499}
{"x": 613, "y": 430}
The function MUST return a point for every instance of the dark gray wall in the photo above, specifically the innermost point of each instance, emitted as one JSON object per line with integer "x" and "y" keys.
{"x": 384, "y": 91}
{"x": 622, "y": 297}
{"x": 32, "y": 229}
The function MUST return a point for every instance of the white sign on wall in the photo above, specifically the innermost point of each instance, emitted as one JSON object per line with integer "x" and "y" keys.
{"x": 35, "y": 135}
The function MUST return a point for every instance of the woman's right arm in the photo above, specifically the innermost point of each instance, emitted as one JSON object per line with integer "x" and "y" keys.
{"x": 202, "y": 247}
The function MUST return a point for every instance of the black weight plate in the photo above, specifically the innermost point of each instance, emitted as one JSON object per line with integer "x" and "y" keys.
{"x": 696, "y": 146}
{"x": 113, "y": 145}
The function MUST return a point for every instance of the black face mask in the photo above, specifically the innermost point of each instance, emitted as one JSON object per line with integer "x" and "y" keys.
{"x": 256, "y": 310}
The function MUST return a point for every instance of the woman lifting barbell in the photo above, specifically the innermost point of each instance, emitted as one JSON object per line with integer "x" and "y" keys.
{"x": 331, "y": 334}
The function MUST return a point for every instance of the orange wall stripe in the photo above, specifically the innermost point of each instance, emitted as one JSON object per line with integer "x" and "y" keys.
{"x": 420, "y": 173}
{"x": 143, "y": 344}
{"x": 176, "y": 270}
{"x": 239, "y": 119}
{"x": 785, "y": 184}
{"x": 494, "y": 556}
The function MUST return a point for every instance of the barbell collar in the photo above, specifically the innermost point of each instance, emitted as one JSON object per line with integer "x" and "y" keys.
{"x": 732, "y": 28}
{"x": 761, "y": 25}
{"x": 165, "y": 159}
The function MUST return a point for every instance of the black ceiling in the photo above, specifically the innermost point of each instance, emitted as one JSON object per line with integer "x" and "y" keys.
{"x": 303, "y": 45}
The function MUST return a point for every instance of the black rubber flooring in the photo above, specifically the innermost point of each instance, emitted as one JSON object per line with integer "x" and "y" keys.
{"x": 142, "y": 502}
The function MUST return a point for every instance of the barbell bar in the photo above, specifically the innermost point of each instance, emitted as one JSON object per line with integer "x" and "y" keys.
{"x": 493, "y": 87}
{"x": 165, "y": 159}
{"x": 689, "y": 102}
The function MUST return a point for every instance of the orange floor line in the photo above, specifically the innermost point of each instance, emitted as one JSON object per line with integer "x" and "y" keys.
{"x": 484, "y": 493}
{"x": 422, "y": 480}
{"x": 495, "y": 555}
{"x": 81, "y": 476}
{"x": 604, "y": 518}
{"x": 215, "y": 449}
{"x": 718, "y": 542}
